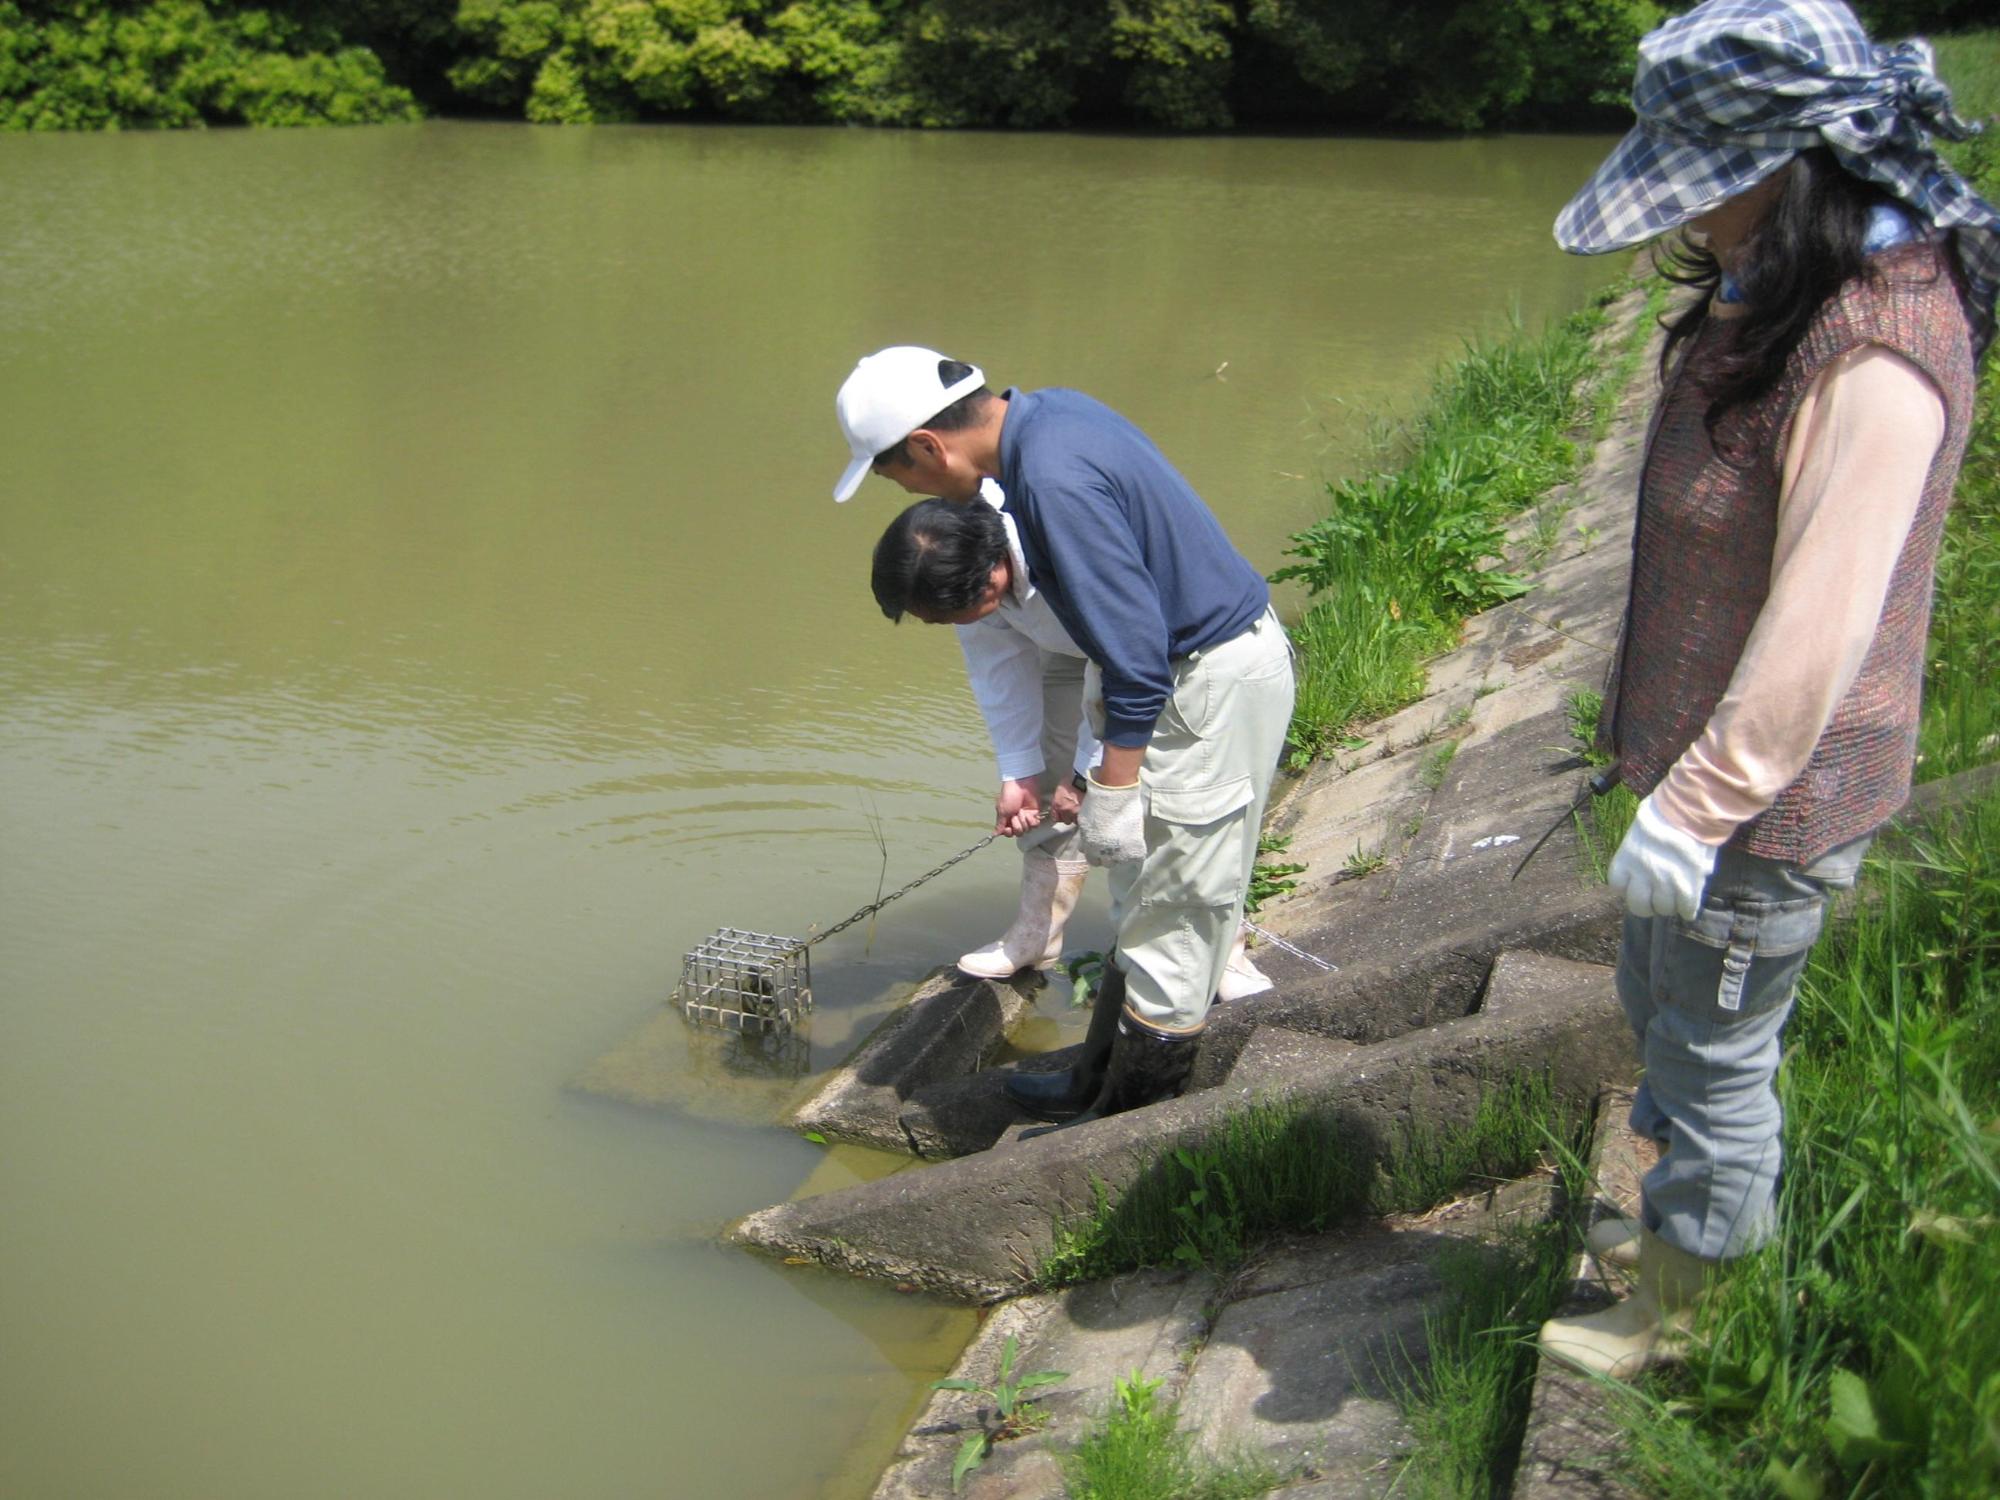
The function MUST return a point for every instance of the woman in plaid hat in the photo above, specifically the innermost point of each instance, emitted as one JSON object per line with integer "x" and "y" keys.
{"x": 1817, "y": 392}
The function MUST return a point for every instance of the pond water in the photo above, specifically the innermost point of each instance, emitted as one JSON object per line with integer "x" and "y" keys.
{"x": 423, "y": 618}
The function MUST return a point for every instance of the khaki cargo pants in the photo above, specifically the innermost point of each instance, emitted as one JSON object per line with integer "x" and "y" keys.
{"x": 1207, "y": 775}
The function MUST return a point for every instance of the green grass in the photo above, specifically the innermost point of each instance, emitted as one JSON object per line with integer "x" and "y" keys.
{"x": 1281, "y": 1168}
{"x": 1466, "y": 1408}
{"x": 1970, "y": 63}
{"x": 1141, "y": 1453}
{"x": 1961, "y": 723}
{"x": 1604, "y": 819}
{"x": 1436, "y": 763}
{"x": 1404, "y": 555}
{"x": 1857, "y": 1354}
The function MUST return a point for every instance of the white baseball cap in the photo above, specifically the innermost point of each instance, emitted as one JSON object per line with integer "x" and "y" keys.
{"x": 890, "y": 395}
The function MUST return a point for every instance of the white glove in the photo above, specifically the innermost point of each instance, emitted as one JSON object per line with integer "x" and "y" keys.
{"x": 1111, "y": 825}
{"x": 1658, "y": 869}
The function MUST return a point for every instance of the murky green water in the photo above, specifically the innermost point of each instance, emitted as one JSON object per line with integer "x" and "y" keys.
{"x": 422, "y": 618}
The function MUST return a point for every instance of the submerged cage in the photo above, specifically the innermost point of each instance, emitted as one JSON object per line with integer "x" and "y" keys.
{"x": 746, "y": 981}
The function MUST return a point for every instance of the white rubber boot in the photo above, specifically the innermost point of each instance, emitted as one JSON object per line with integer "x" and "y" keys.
{"x": 1615, "y": 1242}
{"x": 1049, "y": 891}
{"x": 1647, "y": 1328}
{"x": 1242, "y": 978}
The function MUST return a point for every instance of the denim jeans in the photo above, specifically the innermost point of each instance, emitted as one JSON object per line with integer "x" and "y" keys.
{"x": 1708, "y": 1001}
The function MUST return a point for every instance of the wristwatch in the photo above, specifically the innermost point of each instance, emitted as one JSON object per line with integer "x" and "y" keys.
{"x": 1080, "y": 782}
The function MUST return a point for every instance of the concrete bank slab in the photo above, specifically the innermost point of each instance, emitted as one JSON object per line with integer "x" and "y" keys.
{"x": 1304, "y": 1361}
{"x": 1426, "y": 959}
{"x": 1424, "y": 962}
{"x": 1150, "y": 1322}
{"x": 950, "y": 1026}
{"x": 978, "y": 1227}
{"x": 1305, "y": 1375}
{"x": 1293, "y": 1360}
{"x": 1571, "y": 1448}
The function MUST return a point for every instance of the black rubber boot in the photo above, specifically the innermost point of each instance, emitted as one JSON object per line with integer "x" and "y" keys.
{"x": 1145, "y": 1066}
{"x": 1068, "y": 1092}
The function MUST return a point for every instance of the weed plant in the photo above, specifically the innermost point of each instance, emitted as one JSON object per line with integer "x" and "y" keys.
{"x": 1273, "y": 879}
{"x": 1141, "y": 1453}
{"x": 1282, "y": 1168}
{"x": 1436, "y": 763}
{"x": 1857, "y": 1354}
{"x": 1015, "y": 1412}
{"x": 1607, "y": 817}
{"x": 1364, "y": 861}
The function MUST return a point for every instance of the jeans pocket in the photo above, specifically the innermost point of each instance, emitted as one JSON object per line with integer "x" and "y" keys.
{"x": 1740, "y": 958}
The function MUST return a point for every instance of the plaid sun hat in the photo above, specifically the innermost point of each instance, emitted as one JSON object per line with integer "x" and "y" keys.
{"x": 1731, "y": 91}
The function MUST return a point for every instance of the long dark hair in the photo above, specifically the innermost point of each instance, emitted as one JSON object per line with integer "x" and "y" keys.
{"x": 1806, "y": 248}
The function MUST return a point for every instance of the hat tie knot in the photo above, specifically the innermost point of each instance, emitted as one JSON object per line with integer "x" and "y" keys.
{"x": 1921, "y": 97}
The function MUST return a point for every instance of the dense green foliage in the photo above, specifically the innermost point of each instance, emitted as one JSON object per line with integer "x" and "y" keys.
{"x": 96, "y": 66}
{"x": 1176, "y": 64}
{"x": 1170, "y": 64}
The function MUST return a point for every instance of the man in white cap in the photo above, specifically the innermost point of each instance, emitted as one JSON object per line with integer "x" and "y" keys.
{"x": 1025, "y": 671}
{"x": 1026, "y": 675}
{"x": 1190, "y": 680}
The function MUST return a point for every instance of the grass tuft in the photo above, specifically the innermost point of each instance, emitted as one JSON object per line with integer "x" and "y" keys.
{"x": 1141, "y": 1453}
{"x": 1280, "y": 1168}
{"x": 1405, "y": 555}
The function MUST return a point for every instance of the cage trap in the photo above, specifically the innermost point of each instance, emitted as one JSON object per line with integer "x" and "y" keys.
{"x": 755, "y": 982}
{"x": 737, "y": 980}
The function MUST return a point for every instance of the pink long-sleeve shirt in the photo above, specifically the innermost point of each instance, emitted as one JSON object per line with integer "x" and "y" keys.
{"x": 1858, "y": 453}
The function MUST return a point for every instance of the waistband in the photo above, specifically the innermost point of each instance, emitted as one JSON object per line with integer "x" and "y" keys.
{"x": 1268, "y": 620}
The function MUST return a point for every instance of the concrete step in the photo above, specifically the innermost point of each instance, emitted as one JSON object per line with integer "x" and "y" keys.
{"x": 978, "y": 1226}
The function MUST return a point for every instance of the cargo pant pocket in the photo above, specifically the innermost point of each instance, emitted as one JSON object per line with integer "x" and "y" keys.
{"x": 1737, "y": 958}
{"x": 1194, "y": 836}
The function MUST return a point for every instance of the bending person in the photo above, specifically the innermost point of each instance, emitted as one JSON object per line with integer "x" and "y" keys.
{"x": 1027, "y": 677}
{"x": 1191, "y": 674}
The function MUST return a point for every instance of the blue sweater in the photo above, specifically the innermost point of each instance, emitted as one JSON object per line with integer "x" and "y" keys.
{"x": 1134, "y": 565}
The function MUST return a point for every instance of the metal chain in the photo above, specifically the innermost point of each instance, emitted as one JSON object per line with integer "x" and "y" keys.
{"x": 874, "y": 906}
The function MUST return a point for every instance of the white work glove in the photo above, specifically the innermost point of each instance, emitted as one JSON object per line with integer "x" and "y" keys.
{"x": 1111, "y": 824}
{"x": 1658, "y": 869}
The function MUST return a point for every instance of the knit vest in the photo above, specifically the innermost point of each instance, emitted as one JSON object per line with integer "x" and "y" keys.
{"x": 1701, "y": 565}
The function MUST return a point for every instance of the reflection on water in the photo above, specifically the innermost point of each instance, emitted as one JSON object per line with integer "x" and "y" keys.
{"x": 422, "y": 620}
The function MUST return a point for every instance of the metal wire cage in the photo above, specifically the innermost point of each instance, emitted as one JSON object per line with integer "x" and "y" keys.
{"x": 746, "y": 981}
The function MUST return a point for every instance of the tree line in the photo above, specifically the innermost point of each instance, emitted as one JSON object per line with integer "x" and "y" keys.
{"x": 1153, "y": 64}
